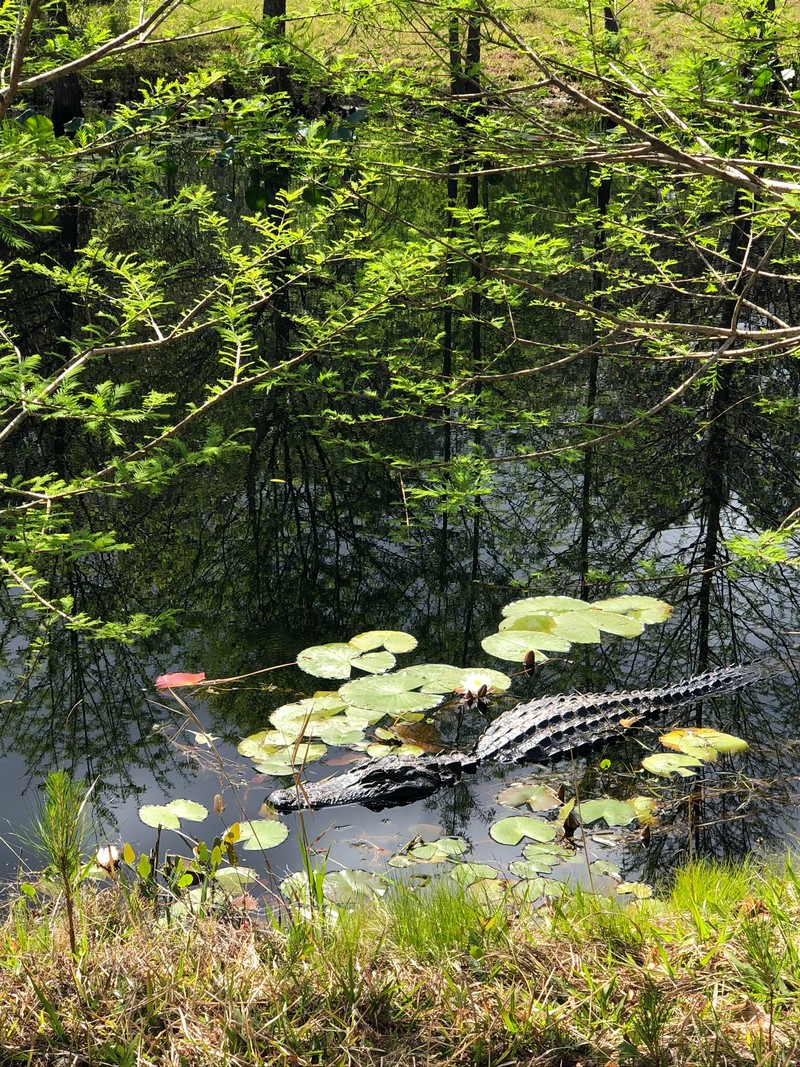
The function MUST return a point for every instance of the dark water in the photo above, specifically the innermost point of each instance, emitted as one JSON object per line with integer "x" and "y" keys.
{"x": 287, "y": 544}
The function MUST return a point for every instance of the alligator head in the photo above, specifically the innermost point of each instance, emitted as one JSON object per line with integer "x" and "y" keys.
{"x": 376, "y": 783}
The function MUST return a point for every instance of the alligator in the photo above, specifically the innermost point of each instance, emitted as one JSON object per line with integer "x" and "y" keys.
{"x": 536, "y": 731}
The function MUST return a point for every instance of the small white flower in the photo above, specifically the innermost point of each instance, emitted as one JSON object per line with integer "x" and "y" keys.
{"x": 472, "y": 683}
{"x": 108, "y": 857}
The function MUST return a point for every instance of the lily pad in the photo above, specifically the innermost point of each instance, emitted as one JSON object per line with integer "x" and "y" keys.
{"x": 235, "y": 880}
{"x": 644, "y": 608}
{"x": 187, "y": 809}
{"x": 391, "y": 640}
{"x": 528, "y": 868}
{"x": 639, "y": 889}
{"x": 339, "y": 731}
{"x": 615, "y": 812}
{"x": 467, "y": 873}
{"x": 537, "y": 797}
{"x": 512, "y": 830}
{"x": 341, "y": 887}
{"x": 328, "y": 661}
{"x": 529, "y": 889}
{"x": 607, "y": 868}
{"x": 667, "y": 763}
{"x": 156, "y": 815}
{"x": 443, "y": 678}
{"x": 703, "y": 743}
{"x": 514, "y": 645}
{"x": 302, "y": 714}
{"x": 262, "y": 833}
{"x": 550, "y": 605}
{"x": 391, "y": 694}
{"x": 375, "y": 662}
{"x": 548, "y": 854}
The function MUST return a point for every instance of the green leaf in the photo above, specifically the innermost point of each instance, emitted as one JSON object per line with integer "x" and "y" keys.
{"x": 187, "y": 809}
{"x": 391, "y": 640}
{"x": 639, "y": 889}
{"x": 290, "y": 718}
{"x": 328, "y": 661}
{"x": 467, "y": 873}
{"x": 667, "y": 763}
{"x": 235, "y": 880}
{"x": 263, "y": 833}
{"x": 644, "y": 608}
{"x": 341, "y": 887}
{"x": 375, "y": 662}
{"x": 391, "y": 694}
{"x": 442, "y": 678}
{"x": 548, "y": 605}
{"x": 537, "y": 797}
{"x": 514, "y": 645}
{"x": 703, "y": 743}
{"x": 144, "y": 868}
{"x": 156, "y": 815}
{"x": 615, "y": 812}
{"x": 512, "y": 830}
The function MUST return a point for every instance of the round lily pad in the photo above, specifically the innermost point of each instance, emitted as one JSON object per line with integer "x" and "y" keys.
{"x": 156, "y": 815}
{"x": 514, "y": 645}
{"x": 262, "y": 833}
{"x": 328, "y": 661}
{"x": 467, "y": 873}
{"x": 667, "y": 763}
{"x": 512, "y": 830}
{"x": 537, "y": 797}
{"x": 615, "y": 812}
{"x": 391, "y": 694}
{"x": 391, "y": 640}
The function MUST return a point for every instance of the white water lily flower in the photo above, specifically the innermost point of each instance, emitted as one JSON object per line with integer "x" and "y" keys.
{"x": 472, "y": 683}
{"x": 108, "y": 857}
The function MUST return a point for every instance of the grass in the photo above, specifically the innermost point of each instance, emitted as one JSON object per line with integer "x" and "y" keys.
{"x": 706, "y": 975}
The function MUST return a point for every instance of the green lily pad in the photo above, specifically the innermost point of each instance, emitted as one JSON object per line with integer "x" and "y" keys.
{"x": 578, "y": 626}
{"x": 291, "y": 718}
{"x": 467, "y": 873}
{"x": 607, "y": 868}
{"x": 528, "y": 868}
{"x": 512, "y": 830}
{"x": 341, "y": 887}
{"x": 639, "y": 889}
{"x": 514, "y": 645}
{"x": 262, "y": 833}
{"x": 529, "y": 889}
{"x": 615, "y": 812}
{"x": 537, "y": 797}
{"x": 156, "y": 815}
{"x": 549, "y": 605}
{"x": 235, "y": 880}
{"x": 375, "y": 662}
{"x": 645, "y": 808}
{"x": 548, "y": 854}
{"x": 703, "y": 743}
{"x": 328, "y": 661}
{"x": 667, "y": 763}
{"x": 443, "y": 678}
{"x": 391, "y": 640}
{"x": 391, "y": 694}
{"x": 644, "y": 608}
{"x": 339, "y": 731}
{"x": 187, "y": 809}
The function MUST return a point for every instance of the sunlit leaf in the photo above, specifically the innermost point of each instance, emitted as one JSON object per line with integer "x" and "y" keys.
{"x": 644, "y": 608}
{"x": 615, "y": 812}
{"x": 341, "y": 887}
{"x": 529, "y": 889}
{"x": 528, "y": 868}
{"x": 156, "y": 815}
{"x": 549, "y": 854}
{"x": 579, "y": 626}
{"x": 389, "y": 693}
{"x": 174, "y": 681}
{"x": 549, "y": 605}
{"x": 375, "y": 662}
{"x": 467, "y": 873}
{"x": 338, "y": 731}
{"x": 514, "y": 645}
{"x": 443, "y": 678}
{"x": 328, "y": 661}
{"x": 667, "y": 763}
{"x": 537, "y": 797}
{"x": 703, "y": 743}
{"x": 290, "y": 718}
{"x": 639, "y": 889}
{"x": 512, "y": 830}
{"x": 645, "y": 808}
{"x": 606, "y": 867}
{"x": 391, "y": 640}
{"x": 235, "y": 880}
{"x": 128, "y": 855}
{"x": 187, "y": 809}
{"x": 262, "y": 833}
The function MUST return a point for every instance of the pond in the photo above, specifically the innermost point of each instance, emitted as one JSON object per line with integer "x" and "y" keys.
{"x": 311, "y": 531}
{"x": 322, "y": 565}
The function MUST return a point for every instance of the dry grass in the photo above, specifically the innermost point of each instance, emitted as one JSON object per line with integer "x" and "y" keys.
{"x": 708, "y": 976}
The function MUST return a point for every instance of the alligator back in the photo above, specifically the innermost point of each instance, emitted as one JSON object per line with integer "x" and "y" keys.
{"x": 554, "y": 725}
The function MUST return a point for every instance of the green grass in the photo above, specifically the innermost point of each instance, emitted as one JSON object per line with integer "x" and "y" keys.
{"x": 708, "y": 974}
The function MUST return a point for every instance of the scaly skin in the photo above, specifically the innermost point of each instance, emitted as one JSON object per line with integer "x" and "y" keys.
{"x": 539, "y": 730}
